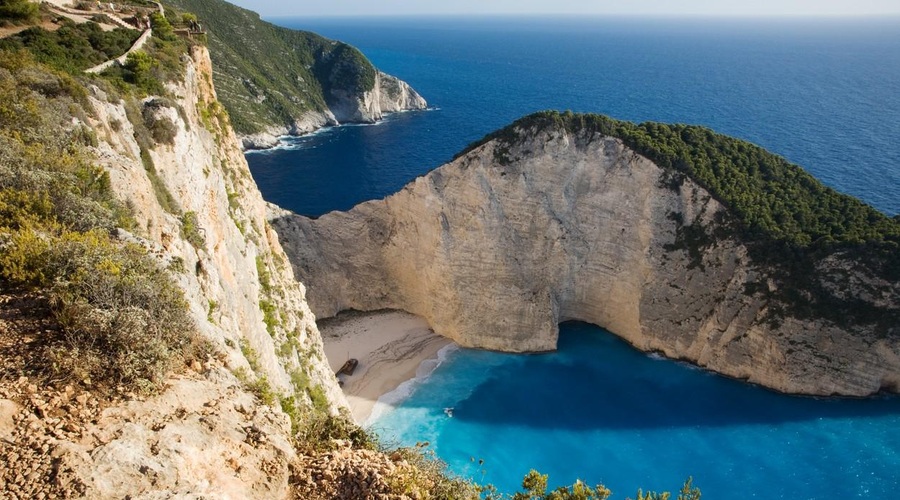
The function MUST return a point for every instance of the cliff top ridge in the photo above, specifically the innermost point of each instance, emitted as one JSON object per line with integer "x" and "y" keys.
{"x": 771, "y": 198}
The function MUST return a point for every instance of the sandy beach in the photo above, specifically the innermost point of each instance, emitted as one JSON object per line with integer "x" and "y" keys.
{"x": 390, "y": 346}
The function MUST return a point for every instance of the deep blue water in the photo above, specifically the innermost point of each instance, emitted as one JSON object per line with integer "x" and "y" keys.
{"x": 824, "y": 94}
{"x": 603, "y": 412}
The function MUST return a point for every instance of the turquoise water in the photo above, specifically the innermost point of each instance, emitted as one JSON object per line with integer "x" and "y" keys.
{"x": 601, "y": 411}
{"x": 823, "y": 94}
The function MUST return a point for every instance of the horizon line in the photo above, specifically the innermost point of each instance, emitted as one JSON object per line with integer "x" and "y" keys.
{"x": 770, "y": 16}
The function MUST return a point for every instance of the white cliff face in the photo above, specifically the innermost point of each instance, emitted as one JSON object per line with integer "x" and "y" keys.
{"x": 205, "y": 433}
{"x": 390, "y": 95}
{"x": 395, "y": 95}
{"x": 494, "y": 255}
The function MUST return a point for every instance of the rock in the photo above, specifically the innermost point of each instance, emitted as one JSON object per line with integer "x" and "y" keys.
{"x": 95, "y": 447}
{"x": 495, "y": 253}
{"x": 8, "y": 411}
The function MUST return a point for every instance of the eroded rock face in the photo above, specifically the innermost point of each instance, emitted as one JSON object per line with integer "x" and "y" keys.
{"x": 205, "y": 433}
{"x": 390, "y": 95}
{"x": 495, "y": 253}
{"x": 238, "y": 264}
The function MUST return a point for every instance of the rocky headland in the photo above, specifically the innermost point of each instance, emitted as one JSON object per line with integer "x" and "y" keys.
{"x": 556, "y": 218}
{"x": 275, "y": 81}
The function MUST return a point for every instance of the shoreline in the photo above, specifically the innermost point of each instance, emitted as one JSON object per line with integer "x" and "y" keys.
{"x": 391, "y": 346}
{"x": 279, "y": 143}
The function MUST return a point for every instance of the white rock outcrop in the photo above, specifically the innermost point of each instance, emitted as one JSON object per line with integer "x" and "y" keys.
{"x": 495, "y": 254}
{"x": 309, "y": 122}
{"x": 389, "y": 95}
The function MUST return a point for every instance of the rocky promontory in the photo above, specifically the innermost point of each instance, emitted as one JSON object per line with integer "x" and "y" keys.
{"x": 277, "y": 81}
{"x": 559, "y": 218}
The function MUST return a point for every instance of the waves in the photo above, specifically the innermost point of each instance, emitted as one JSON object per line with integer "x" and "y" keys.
{"x": 312, "y": 140}
{"x": 391, "y": 400}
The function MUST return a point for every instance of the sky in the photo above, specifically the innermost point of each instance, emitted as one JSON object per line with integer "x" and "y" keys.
{"x": 738, "y": 8}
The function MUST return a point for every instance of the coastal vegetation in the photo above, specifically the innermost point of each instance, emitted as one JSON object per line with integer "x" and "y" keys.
{"x": 770, "y": 197}
{"x": 73, "y": 47}
{"x": 420, "y": 474}
{"x": 266, "y": 75}
{"x": 120, "y": 318}
{"x": 18, "y": 11}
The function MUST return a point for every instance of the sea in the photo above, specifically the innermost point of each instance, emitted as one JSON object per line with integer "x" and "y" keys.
{"x": 823, "y": 93}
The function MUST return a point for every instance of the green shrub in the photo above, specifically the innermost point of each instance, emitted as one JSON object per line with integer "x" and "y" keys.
{"x": 125, "y": 321}
{"x": 318, "y": 398}
{"x": 20, "y": 209}
{"x": 270, "y": 315}
{"x": 250, "y": 355}
{"x": 535, "y": 485}
{"x": 427, "y": 476}
{"x": 320, "y": 430}
{"x": 190, "y": 230}
{"x": 300, "y": 380}
{"x": 262, "y": 270}
{"x": 263, "y": 391}
{"x": 287, "y": 348}
{"x": 73, "y": 47}
{"x": 161, "y": 27}
{"x": 162, "y": 128}
{"x": 19, "y": 11}
{"x": 294, "y": 412}
{"x": 23, "y": 259}
{"x": 138, "y": 65}
{"x": 145, "y": 141}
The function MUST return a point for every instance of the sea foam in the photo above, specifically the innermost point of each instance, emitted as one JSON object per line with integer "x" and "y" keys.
{"x": 391, "y": 400}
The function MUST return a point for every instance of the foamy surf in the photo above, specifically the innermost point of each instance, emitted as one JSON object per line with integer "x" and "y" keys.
{"x": 392, "y": 399}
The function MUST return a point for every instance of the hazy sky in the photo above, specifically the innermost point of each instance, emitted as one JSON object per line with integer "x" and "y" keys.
{"x": 616, "y": 7}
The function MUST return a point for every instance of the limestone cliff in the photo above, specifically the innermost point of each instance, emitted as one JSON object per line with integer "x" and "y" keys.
{"x": 206, "y": 433}
{"x": 389, "y": 95}
{"x": 497, "y": 247}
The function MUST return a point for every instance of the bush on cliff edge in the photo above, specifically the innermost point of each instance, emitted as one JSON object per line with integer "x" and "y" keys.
{"x": 123, "y": 319}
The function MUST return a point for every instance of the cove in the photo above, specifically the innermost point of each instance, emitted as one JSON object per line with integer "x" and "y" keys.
{"x": 599, "y": 410}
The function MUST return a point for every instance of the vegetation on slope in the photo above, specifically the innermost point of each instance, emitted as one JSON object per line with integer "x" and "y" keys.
{"x": 772, "y": 198}
{"x": 122, "y": 319}
{"x": 266, "y": 75}
{"x": 18, "y": 11}
{"x": 341, "y": 460}
{"x": 73, "y": 47}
